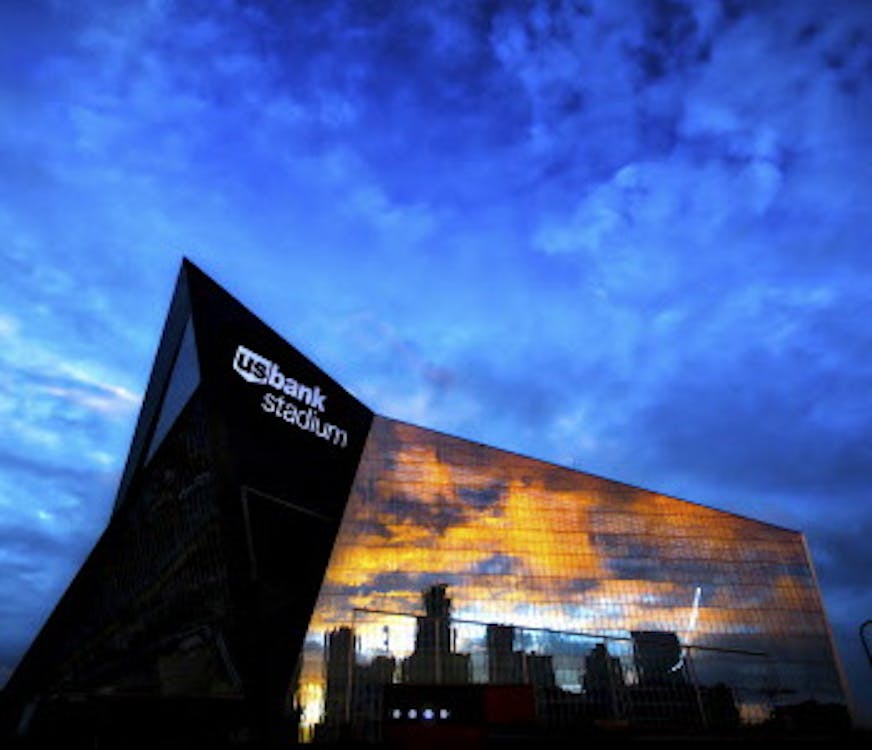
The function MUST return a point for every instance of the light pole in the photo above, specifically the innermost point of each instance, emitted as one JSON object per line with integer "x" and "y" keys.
{"x": 864, "y": 642}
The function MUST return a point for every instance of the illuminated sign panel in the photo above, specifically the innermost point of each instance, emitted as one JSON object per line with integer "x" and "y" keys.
{"x": 256, "y": 369}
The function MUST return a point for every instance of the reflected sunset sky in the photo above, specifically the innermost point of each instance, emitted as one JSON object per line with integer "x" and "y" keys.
{"x": 537, "y": 546}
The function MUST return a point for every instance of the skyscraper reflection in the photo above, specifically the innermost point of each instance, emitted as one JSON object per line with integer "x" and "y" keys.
{"x": 434, "y": 659}
{"x": 654, "y": 687}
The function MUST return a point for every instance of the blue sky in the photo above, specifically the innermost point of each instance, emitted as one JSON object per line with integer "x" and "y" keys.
{"x": 629, "y": 237}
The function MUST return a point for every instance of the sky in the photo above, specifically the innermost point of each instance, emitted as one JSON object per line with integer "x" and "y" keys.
{"x": 629, "y": 237}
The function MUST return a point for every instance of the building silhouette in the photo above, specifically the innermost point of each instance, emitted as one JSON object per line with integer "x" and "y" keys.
{"x": 605, "y": 688}
{"x": 658, "y": 658}
{"x": 353, "y": 694}
{"x": 505, "y": 665}
{"x": 434, "y": 659}
{"x": 339, "y": 667}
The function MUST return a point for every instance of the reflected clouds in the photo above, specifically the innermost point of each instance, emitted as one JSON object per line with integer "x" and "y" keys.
{"x": 521, "y": 542}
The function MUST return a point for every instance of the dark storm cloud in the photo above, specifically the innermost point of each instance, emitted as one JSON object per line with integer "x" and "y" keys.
{"x": 843, "y": 557}
{"x": 582, "y": 585}
{"x": 498, "y": 564}
{"x": 375, "y": 528}
{"x": 43, "y": 539}
{"x": 438, "y": 516}
{"x": 481, "y": 498}
{"x": 56, "y": 513}
{"x": 393, "y": 582}
{"x": 532, "y": 399}
{"x": 672, "y": 42}
{"x": 764, "y": 411}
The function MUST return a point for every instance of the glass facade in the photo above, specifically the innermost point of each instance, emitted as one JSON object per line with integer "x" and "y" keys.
{"x": 457, "y": 564}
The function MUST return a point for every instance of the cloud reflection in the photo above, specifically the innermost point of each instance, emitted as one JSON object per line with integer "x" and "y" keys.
{"x": 537, "y": 546}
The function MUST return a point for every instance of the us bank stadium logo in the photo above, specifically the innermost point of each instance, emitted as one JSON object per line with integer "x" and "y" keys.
{"x": 296, "y": 403}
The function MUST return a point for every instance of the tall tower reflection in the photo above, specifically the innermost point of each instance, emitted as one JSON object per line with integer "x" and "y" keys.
{"x": 353, "y": 691}
{"x": 658, "y": 658}
{"x": 434, "y": 659}
{"x": 603, "y": 683}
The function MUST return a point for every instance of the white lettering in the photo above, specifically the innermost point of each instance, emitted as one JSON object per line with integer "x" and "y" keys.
{"x": 251, "y": 366}
{"x": 257, "y": 369}
{"x": 254, "y": 368}
{"x": 276, "y": 379}
{"x": 269, "y": 403}
{"x": 306, "y": 420}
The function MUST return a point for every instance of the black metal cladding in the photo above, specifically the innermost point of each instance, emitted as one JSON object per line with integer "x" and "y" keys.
{"x": 266, "y": 451}
{"x": 217, "y": 546}
{"x": 285, "y": 486}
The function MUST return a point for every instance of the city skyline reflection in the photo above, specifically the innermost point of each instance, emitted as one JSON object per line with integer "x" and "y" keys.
{"x": 538, "y": 547}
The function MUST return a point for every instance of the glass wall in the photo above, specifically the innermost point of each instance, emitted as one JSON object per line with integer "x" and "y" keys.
{"x": 458, "y": 564}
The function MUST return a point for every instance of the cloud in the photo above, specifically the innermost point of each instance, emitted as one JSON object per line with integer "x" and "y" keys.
{"x": 60, "y": 455}
{"x": 841, "y": 557}
{"x": 50, "y": 518}
{"x": 784, "y": 426}
{"x": 59, "y": 407}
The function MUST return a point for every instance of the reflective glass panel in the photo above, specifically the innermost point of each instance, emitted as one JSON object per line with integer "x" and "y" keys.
{"x": 458, "y": 564}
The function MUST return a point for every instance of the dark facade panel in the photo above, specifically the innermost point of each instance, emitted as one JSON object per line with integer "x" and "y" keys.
{"x": 287, "y": 441}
